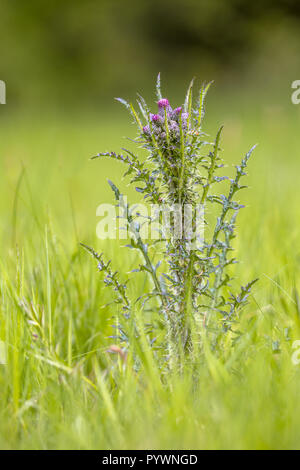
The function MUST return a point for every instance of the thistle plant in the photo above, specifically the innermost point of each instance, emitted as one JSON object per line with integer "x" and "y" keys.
{"x": 190, "y": 276}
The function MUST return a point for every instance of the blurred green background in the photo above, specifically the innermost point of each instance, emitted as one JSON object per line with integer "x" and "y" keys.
{"x": 64, "y": 62}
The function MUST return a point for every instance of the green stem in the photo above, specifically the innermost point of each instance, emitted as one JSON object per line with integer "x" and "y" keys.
{"x": 212, "y": 166}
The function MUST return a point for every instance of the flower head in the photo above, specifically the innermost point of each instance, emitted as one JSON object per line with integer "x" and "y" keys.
{"x": 155, "y": 118}
{"x": 176, "y": 113}
{"x": 163, "y": 103}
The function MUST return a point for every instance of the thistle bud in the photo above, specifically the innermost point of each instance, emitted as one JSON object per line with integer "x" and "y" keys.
{"x": 176, "y": 113}
{"x": 146, "y": 130}
{"x": 155, "y": 118}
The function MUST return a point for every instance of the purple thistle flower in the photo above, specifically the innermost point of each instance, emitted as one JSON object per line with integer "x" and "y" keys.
{"x": 155, "y": 118}
{"x": 178, "y": 110}
{"x": 163, "y": 103}
{"x": 176, "y": 113}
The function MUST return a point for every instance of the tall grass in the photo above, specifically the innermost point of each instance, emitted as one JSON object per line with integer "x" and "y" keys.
{"x": 55, "y": 316}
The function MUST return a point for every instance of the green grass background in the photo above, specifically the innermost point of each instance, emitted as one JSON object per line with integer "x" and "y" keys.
{"x": 60, "y": 387}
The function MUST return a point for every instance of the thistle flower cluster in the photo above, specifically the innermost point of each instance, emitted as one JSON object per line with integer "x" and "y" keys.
{"x": 191, "y": 289}
{"x": 166, "y": 123}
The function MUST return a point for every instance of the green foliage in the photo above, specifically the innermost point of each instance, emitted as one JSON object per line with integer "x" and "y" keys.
{"x": 77, "y": 392}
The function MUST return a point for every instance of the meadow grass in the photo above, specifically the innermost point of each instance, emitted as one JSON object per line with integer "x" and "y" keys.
{"x": 60, "y": 387}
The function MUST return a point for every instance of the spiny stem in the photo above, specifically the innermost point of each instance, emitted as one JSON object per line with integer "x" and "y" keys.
{"x": 212, "y": 166}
